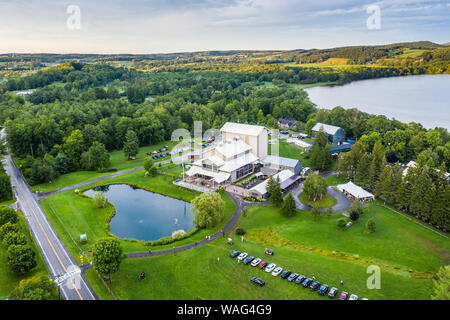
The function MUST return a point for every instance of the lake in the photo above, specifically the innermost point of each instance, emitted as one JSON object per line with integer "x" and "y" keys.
{"x": 423, "y": 98}
{"x": 145, "y": 215}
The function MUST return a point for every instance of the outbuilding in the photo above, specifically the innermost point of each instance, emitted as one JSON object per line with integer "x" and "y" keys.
{"x": 355, "y": 192}
{"x": 334, "y": 134}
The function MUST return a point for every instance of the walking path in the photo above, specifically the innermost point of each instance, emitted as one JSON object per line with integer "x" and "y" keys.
{"x": 240, "y": 207}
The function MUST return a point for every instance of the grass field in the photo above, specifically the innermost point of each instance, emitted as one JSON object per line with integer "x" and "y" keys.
{"x": 118, "y": 161}
{"x": 79, "y": 214}
{"x": 288, "y": 151}
{"x": 327, "y": 202}
{"x": 301, "y": 245}
{"x": 8, "y": 279}
{"x": 334, "y": 180}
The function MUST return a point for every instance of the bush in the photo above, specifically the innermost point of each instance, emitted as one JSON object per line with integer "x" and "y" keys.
{"x": 14, "y": 238}
{"x": 7, "y": 215}
{"x": 8, "y": 228}
{"x": 240, "y": 231}
{"x": 357, "y": 206}
{"x": 168, "y": 240}
{"x": 341, "y": 224}
{"x": 370, "y": 226}
{"x": 354, "y": 216}
{"x": 178, "y": 234}
{"x": 37, "y": 288}
{"x": 100, "y": 199}
{"x": 21, "y": 259}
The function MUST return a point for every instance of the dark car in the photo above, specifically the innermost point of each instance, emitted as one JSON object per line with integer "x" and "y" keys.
{"x": 300, "y": 279}
{"x": 292, "y": 277}
{"x": 285, "y": 274}
{"x": 260, "y": 282}
{"x": 306, "y": 282}
{"x": 313, "y": 286}
{"x": 323, "y": 289}
{"x": 333, "y": 292}
{"x": 234, "y": 253}
{"x": 262, "y": 264}
{"x": 248, "y": 259}
{"x": 269, "y": 252}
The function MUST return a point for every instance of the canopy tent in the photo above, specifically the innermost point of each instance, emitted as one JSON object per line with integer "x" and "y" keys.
{"x": 355, "y": 191}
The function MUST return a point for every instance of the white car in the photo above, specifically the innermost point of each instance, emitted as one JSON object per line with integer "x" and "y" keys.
{"x": 256, "y": 262}
{"x": 242, "y": 256}
{"x": 270, "y": 267}
{"x": 353, "y": 297}
{"x": 277, "y": 271}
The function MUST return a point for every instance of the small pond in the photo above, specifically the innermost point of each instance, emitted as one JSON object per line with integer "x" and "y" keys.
{"x": 144, "y": 215}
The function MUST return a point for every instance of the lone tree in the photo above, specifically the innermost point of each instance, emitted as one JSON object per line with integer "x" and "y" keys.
{"x": 274, "y": 190}
{"x": 208, "y": 209}
{"x": 107, "y": 255}
{"x": 370, "y": 226}
{"x": 131, "y": 145}
{"x": 288, "y": 207}
{"x": 320, "y": 153}
{"x": 100, "y": 199}
{"x": 148, "y": 164}
{"x": 315, "y": 187}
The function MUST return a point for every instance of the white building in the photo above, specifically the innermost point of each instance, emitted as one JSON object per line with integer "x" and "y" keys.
{"x": 354, "y": 192}
{"x": 260, "y": 190}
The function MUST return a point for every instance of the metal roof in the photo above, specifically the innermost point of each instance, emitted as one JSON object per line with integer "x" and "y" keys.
{"x": 240, "y": 128}
{"x": 326, "y": 127}
{"x": 285, "y": 162}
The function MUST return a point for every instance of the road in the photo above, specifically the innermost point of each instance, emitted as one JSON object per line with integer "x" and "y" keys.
{"x": 63, "y": 269}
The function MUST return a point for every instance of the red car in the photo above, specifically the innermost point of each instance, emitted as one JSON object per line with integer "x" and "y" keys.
{"x": 262, "y": 264}
{"x": 343, "y": 295}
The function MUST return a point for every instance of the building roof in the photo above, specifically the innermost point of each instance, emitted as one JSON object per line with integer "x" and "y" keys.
{"x": 218, "y": 177}
{"x": 240, "y": 128}
{"x": 326, "y": 127}
{"x": 232, "y": 148}
{"x": 282, "y": 175}
{"x": 288, "y": 121}
{"x": 354, "y": 190}
{"x": 285, "y": 162}
{"x": 231, "y": 165}
{"x": 290, "y": 181}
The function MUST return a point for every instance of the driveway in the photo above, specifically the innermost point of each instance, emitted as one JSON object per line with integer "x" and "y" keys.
{"x": 343, "y": 203}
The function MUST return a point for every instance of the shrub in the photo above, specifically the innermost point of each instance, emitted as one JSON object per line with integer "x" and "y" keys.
{"x": 357, "y": 206}
{"x": 370, "y": 226}
{"x": 14, "y": 238}
{"x": 100, "y": 199}
{"x": 8, "y": 228}
{"x": 240, "y": 231}
{"x": 7, "y": 215}
{"x": 354, "y": 216}
{"x": 21, "y": 259}
{"x": 341, "y": 224}
{"x": 178, "y": 234}
{"x": 36, "y": 288}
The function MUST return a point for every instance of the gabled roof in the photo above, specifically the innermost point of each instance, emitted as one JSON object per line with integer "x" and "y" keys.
{"x": 240, "y": 128}
{"x": 326, "y": 127}
{"x": 282, "y": 175}
{"x": 354, "y": 190}
{"x": 231, "y": 148}
{"x": 285, "y": 162}
{"x": 241, "y": 161}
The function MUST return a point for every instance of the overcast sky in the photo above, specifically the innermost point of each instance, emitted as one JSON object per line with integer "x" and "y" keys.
{"x": 138, "y": 26}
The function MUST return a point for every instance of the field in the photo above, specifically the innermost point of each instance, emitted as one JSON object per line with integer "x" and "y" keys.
{"x": 326, "y": 202}
{"x": 288, "y": 151}
{"x": 407, "y": 260}
{"x": 8, "y": 279}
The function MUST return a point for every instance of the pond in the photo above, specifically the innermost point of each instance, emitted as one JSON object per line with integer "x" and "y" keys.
{"x": 423, "y": 98}
{"x": 144, "y": 215}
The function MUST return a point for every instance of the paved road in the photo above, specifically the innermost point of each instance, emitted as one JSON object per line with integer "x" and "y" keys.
{"x": 240, "y": 207}
{"x": 343, "y": 203}
{"x": 60, "y": 264}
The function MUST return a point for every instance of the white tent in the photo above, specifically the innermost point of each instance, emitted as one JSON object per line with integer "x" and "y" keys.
{"x": 355, "y": 191}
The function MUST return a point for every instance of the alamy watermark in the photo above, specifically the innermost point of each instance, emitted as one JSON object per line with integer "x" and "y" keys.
{"x": 373, "y": 22}
{"x": 74, "y": 19}
{"x": 374, "y": 280}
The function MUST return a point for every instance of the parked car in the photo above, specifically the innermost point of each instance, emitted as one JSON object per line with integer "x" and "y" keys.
{"x": 313, "y": 286}
{"x": 364, "y": 299}
{"x": 242, "y": 256}
{"x": 260, "y": 282}
{"x": 300, "y": 279}
{"x": 269, "y": 251}
{"x": 248, "y": 259}
{"x": 262, "y": 265}
{"x": 277, "y": 271}
{"x": 353, "y": 297}
{"x": 234, "y": 253}
{"x": 333, "y": 292}
{"x": 343, "y": 295}
{"x": 323, "y": 289}
{"x": 307, "y": 282}
{"x": 285, "y": 274}
{"x": 167, "y": 147}
{"x": 255, "y": 262}
{"x": 271, "y": 267}
{"x": 149, "y": 153}
{"x": 292, "y": 277}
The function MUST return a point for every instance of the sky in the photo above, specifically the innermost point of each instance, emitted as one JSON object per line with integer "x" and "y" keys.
{"x": 163, "y": 26}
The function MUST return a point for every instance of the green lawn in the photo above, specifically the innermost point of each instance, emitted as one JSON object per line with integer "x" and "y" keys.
{"x": 8, "y": 279}
{"x": 288, "y": 151}
{"x": 79, "y": 214}
{"x": 334, "y": 180}
{"x": 118, "y": 161}
{"x": 327, "y": 202}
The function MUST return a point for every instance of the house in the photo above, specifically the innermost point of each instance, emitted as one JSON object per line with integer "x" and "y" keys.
{"x": 280, "y": 163}
{"x": 287, "y": 179}
{"x": 236, "y": 156}
{"x": 287, "y": 123}
{"x": 335, "y": 135}
{"x": 354, "y": 192}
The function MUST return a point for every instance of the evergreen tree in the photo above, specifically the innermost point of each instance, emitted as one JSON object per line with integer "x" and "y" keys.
{"x": 274, "y": 190}
{"x": 362, "y": 171}
{"x": 288, "y": 207}
{"x": 131, "y": 144}
{"x": 320, "y": 153}
{"x": 377, "y": 163}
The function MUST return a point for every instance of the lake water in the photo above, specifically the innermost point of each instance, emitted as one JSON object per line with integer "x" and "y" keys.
{"x": 145, "y": 215}
{"x": 423, "y": 98}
